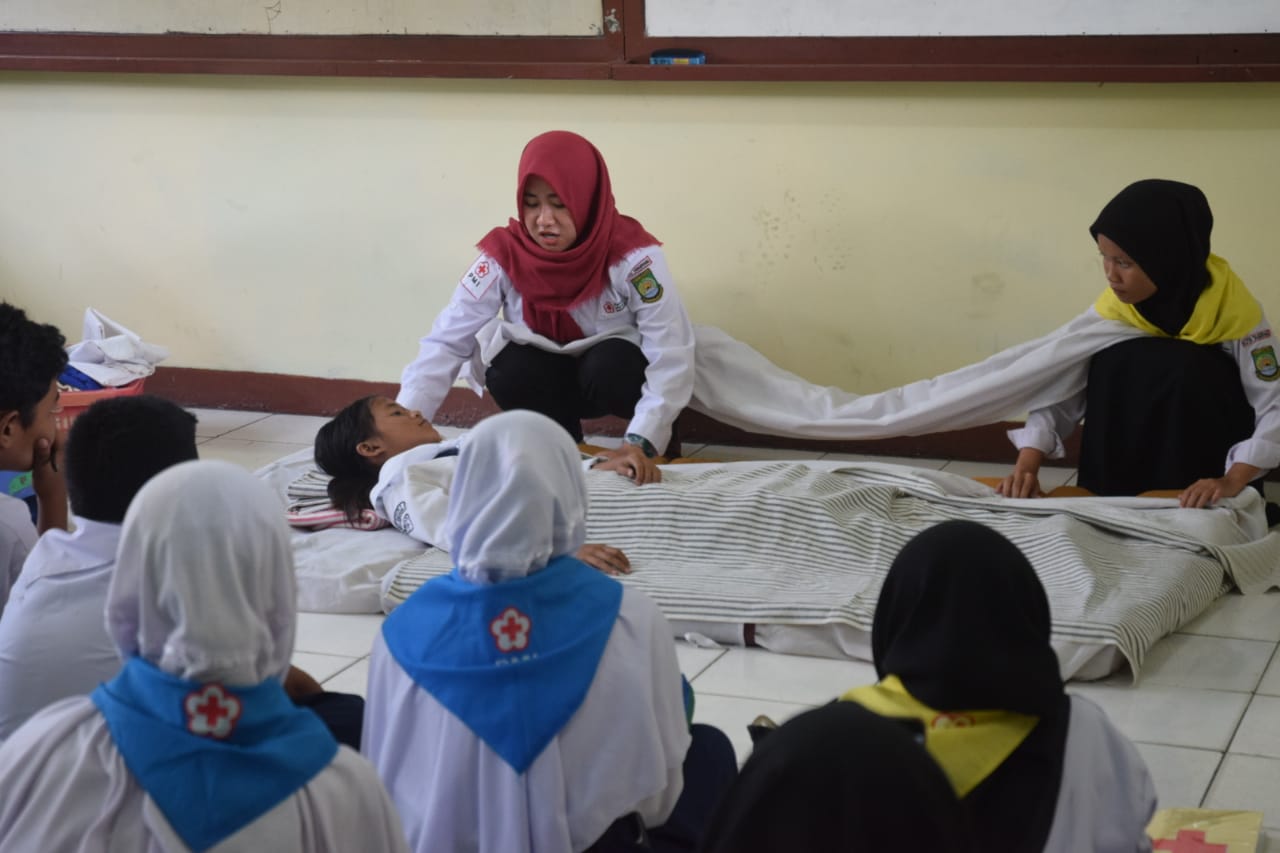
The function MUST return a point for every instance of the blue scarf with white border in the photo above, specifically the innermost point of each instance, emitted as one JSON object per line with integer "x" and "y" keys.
{"x": 213, "y": 758}
{"x": 511, "y": 660}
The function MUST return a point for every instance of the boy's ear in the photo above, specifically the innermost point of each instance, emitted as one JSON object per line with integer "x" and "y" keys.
{"x": 8, "y": 426}
{"x": 370, "y": 448}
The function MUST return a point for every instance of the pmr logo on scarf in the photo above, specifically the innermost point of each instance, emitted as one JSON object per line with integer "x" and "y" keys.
{"x": 212, "y": 711}
{"x": 647, "y": 286}
{"x": 952, "y": 721}
{"x": 511, "y": 630}
{"x": 1265, "y": 364}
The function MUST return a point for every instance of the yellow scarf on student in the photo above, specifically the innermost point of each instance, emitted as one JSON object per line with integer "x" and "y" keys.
{"x": 1225, "y": 311}
{"x": 968, "y": 745}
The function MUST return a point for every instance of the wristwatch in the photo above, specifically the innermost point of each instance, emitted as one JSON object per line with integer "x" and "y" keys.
{"x": 641, "y": 442}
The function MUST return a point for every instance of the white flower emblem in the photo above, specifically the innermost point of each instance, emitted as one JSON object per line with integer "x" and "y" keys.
{"x": 212, "y": 711}
{"x": 511, "y": 630}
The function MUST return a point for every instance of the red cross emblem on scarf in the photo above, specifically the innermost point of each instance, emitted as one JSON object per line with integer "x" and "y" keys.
{"x": 1189, "y": 841}
{"x": 952, "y": 721}
{"x": 511, "y": 630}
{"x": 212, "y": 711}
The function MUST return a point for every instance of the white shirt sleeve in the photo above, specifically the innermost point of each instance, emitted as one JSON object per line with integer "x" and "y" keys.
{"x": 666, "y": 339}
{"x": 1256, "y": 356}
{"x": 452, "y": 339}
{"x": 1047, "y": 428}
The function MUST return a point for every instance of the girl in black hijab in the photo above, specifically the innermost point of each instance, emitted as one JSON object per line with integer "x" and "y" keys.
{"x": 1165, "y": 410}
{"x": 838, "y": 778}
{"x": 961, "y": 644}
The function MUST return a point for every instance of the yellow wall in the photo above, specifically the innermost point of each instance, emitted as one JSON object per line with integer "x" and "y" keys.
{"x": 860, "y": 234}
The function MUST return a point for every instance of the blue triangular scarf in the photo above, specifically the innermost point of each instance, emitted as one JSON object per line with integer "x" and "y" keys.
{"x": 511, "y": 660}
{"x": 213, "y": 758}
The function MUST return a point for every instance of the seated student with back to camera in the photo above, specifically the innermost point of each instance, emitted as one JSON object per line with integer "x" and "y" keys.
{"x": 53, "y": 640}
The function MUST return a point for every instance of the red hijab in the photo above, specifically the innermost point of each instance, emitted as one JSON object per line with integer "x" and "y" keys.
{"x": 550, "y": 283}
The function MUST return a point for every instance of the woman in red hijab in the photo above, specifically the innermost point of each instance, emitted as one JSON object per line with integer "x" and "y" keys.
{"x": 590, "y": 322}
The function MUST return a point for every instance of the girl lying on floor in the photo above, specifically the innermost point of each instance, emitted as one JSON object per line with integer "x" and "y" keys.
{"x": 382, "y": 457}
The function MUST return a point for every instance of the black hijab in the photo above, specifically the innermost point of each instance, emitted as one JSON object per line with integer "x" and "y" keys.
{"x": 963, "y": 621}
{"x": 838, "y": 778}
{"x": 1164, "y": 226}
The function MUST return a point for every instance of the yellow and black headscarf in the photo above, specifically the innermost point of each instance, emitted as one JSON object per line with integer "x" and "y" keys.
{"x": 1164, "y": 226}
{"x": 960, "y": 641}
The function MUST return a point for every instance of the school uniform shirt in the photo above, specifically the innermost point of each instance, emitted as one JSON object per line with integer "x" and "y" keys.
{"x": 17, "y": 538}
{"x": 412, "y": 492}
{"x": 1255, "y": 354}
{"x": 639, "y": 304}
{"x": 613, "y": 757}
{"x": 1106, "y": 797}
{"x": 53, "y": 639}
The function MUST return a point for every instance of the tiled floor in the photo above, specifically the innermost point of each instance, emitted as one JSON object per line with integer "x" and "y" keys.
{"x": 1206, "y": 714}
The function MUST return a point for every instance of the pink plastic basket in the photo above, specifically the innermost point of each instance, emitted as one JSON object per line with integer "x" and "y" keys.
{"x": 75, "y": 402}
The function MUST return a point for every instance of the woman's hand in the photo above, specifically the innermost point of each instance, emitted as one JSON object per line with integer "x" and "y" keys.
{"x": 1209, "y": 491}
{"x": 630, "y": 461}
{"x": 1024, "y": 482}
{"x": 606, "y": 558}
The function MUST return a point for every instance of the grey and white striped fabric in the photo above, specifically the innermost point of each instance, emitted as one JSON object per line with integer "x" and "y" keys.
{"x": 788, "y": 543}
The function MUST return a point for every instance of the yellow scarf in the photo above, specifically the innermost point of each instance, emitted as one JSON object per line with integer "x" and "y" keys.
{"x": 968, "y": 745}
{"x": 1226, "y": 311}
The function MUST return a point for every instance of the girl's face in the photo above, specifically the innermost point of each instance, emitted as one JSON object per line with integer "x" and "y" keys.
{"x": 1129, "y": 283}
{"x": 546, "y": 218}
{"x": 396, "y": 429}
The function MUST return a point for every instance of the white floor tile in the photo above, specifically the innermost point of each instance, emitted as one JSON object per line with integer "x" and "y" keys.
{"x": 353, "y": 679}
{"x": 731, "y": 453}
{"x": 758, "y": 674}
{"x": 1259, "y": 732}
{"x": 321, "y": 667}
{"x": 1248, "y": 782}
{"x": 1050, "y": 477}
{"x": 693, "y": 660}
{"x": 211, "y": 423}
{"x": 1271, "y": 490}
{"x": 294, "y": 429}
{"x": 1174, "y": 716}
{"x": 1249, "y": 617}
{"x": 1182, "y": 775}
{"x": 1270, "y": 684}
{"x": 1269, "y": 840}
{"x": 731, "y": 714}
{"x": 1212, "y": 663}
{"x": 909, "y": 461}
{"x": 247, "y": 454}
{"x": 349, "y": 634}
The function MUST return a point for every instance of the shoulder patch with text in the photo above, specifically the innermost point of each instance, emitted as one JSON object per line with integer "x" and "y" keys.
{"x": 480, "y": 277}
{"x": 1250, "y": 340}
{"x": 647, "y": 285}
{"x": 1264, "y": 363}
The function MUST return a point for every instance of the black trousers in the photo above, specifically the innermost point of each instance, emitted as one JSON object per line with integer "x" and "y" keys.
{"x": 1160, "y": 414}
{"x": 604, "y": 380}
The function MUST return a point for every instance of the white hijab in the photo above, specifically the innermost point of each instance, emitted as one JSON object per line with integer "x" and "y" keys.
{"x": 519, "y": 498}
{"x": 204, "y": 581}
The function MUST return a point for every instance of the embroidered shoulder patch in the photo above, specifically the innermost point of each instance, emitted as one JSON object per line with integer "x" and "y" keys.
{"x": 480, "y": 277}
{"x": 1264, "y": 363}
{"x": 647, "y": 285}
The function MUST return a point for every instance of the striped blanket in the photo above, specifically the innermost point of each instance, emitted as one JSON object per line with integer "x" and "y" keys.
{"x": 788, "y": 543}
{"x": 309, "y": 507}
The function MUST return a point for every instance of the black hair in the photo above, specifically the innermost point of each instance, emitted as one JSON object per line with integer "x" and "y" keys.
{"x": 353, "y": 475}
{"x": 117, "y": 445}
{"x": 32, "y": 356}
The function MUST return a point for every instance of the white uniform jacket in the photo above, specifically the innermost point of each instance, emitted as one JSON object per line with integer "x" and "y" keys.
{"x": 639, "y": 304}
{"x": 1259, "y": 374}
